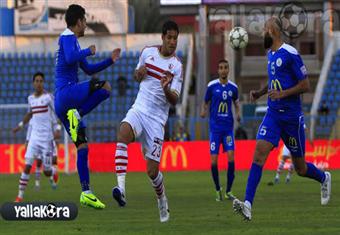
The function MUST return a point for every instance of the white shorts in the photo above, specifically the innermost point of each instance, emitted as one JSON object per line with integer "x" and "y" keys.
{"x": 285, "y": 151}
{"x": 149, "y": 131}
{"x": 39, "y": 150}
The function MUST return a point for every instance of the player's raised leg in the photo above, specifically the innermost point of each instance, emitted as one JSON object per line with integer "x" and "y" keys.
{"x": 294, "y": 138}
{"x": 125, "y": 136}
{"x": 307, "y": 169}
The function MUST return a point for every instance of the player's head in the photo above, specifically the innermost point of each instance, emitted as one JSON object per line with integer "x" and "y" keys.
{"x": 38, "y": 82}
{"x": 223, "y": 69}
{"x": 75, "y": 18}
{"x": 272, "y": 31}
{"x": 169, "y": 36}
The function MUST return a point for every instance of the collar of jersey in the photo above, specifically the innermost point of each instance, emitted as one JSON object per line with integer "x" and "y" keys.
{"x": 160, "y": 54}
{"x": 67, "y": 32}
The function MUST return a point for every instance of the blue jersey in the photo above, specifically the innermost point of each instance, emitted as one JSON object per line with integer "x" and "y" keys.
{"x": 69, "y": 57}
{"x": 285, "y": 70}
{"x": 221, "y": 97}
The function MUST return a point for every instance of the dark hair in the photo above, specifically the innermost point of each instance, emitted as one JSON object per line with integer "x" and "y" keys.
{"x": 223, "y": 61}
{"x": 38, "y": 74}
{"x": 74, "y": 12}
{"x": 169, "y": 25}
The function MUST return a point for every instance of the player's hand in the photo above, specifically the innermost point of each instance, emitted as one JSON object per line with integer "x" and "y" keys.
{"x": 93, "y": 49}
{"x": 275, "y": 94}
{"x": 16, "y": 129}
{"x": 254, "y": 95}
{"x": 57, "y": 135}
{"x": 140, "y": 73}
{"x": 203, "y": 114}
{"x": 115, "y": 54}
{"x": 238, "y": 118}
{"x": 166, "y": 79}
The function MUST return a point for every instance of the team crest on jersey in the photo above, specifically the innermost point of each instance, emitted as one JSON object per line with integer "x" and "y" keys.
{"x": 230, "y": 93}
{"x": 278, "y": 62}
{"x": 152, "y": 58}
{"x": 171, "y": 66}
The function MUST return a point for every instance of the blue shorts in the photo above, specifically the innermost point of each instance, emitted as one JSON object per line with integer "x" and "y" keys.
{"x": 226, "y": 138}
{"x": 275, "y": 125}
{"x": 72, "y": 96}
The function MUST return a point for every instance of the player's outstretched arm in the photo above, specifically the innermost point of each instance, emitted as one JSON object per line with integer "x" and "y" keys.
{"x": 302, "y": 87}
{"x": 21, "y": 124}
{"x": 72, "y": 54}
{"x": 91, "y": 69}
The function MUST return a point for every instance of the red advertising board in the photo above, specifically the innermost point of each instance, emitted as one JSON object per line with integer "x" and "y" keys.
{"x": 176, "y": 156}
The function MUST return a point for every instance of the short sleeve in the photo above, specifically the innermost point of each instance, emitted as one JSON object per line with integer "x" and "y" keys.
{"x": 176, "y": 84}
{"x": 208, "y": 94}
{"x": 235, "y": 96}
{"x": 298, "y": 68}
{"x": 29, "y": 108}
{"x": 141, "y": 60}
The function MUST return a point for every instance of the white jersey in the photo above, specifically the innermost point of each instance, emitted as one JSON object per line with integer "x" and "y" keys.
{"x": 43, "y": 117}
{"x": 151, "y": 99}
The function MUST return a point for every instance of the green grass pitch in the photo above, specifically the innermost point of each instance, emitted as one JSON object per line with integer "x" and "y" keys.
{"x": 279, "y": 209}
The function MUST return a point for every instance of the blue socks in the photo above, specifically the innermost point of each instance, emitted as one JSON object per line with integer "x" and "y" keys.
{"x": 254, "y": 178}
{"x": 96, "y": 98}
{"x": 230, "y": 175}
{"x": 214, "y": 173}
{"x": 315, "y": 173}
{"x": 83, "y": 169}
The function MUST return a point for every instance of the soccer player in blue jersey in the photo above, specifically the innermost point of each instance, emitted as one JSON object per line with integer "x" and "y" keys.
{"x": 220, "y": 95}
{"x": 74, "y": 99}
{"x": 284, "y": 118}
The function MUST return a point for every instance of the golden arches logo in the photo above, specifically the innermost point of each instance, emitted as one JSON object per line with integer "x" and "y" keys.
{"x": 223, "y": 107}
{"x": 174, "y": 152}
{"x": 292, "y": 142}
{"x": 276, "y": 85}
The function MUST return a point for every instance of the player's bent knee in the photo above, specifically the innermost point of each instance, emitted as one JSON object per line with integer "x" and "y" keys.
{"x": 125, "y": 134}
{"x": 107, "y": 86}
{"x": 81, "y": 138}
{"x": 301, "y": 171}
{"x": 27, "y": 169}
{"x": 96, "y": 84}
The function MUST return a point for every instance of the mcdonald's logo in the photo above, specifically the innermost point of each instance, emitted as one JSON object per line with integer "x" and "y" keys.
{"x": 174, "y": 152}
{"x": 223, "y": 107}
{"x": 292, "y": 142}
{"x": 276, "y": 85}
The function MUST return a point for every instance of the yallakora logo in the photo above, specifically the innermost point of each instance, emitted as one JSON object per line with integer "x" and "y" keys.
{"x": 41, "y": 211}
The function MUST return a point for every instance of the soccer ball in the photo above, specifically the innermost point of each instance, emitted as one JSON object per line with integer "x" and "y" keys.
{"x": 51, "y": 211}
{"x": 238, "y": 38}
{"x": 294, "y": 19}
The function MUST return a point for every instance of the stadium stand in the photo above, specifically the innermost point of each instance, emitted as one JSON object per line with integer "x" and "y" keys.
{"x": 331, "y": 97}
{"x": 17, "y": 70}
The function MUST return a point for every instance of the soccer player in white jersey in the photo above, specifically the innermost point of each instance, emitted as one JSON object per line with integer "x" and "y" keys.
{"x": 159, "y": 72}
{"x": 57, "y": 133}
{"x": 41, "y": 109}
